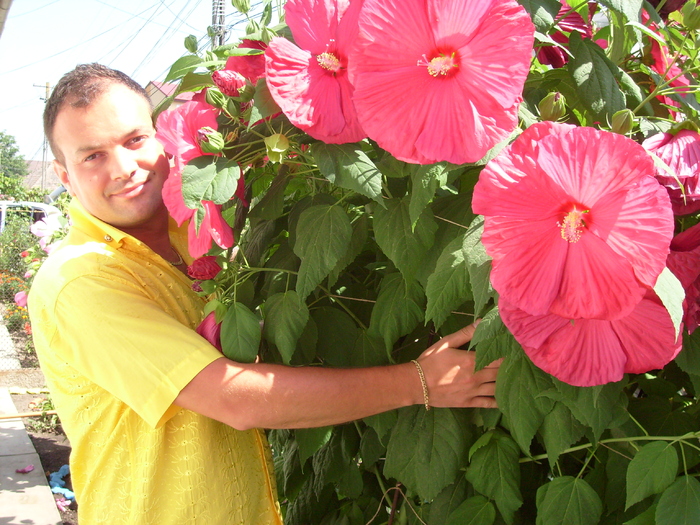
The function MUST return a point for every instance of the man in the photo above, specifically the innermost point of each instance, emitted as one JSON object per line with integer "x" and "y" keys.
{"x": 163, "y": 428}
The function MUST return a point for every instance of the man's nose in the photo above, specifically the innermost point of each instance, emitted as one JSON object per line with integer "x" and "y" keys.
{"x": 124, "y": 164}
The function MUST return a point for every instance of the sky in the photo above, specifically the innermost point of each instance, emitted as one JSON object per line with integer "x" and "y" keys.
{"x": 43, "y": 39}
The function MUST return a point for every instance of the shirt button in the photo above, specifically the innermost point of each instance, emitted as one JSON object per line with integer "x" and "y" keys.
{"x": 108, "y": 238}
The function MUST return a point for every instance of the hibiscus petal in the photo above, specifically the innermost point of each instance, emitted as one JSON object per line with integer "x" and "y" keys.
{"x": 218, "y": 228}
{"x": 314, "y": 22}
{"x": 173, "y": 199}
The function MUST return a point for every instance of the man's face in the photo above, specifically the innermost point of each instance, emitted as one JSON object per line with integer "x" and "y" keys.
{"x": 114, "y": 165}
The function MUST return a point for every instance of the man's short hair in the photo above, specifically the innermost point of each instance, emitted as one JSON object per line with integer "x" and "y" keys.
{"x": 80, "y": 88}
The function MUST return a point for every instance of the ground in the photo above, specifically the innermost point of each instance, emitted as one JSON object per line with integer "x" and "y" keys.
{"x": 52, "y": 446}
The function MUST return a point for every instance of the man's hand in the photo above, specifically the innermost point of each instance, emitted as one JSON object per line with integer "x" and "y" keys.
{"x": 449, "y": 373}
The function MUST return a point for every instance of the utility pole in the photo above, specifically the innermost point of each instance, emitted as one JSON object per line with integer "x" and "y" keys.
{"x": 218, "y": 22}
{"x": 45, "y": 146}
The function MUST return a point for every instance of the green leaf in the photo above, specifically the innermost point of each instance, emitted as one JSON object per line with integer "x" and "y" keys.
{"x": 310, "y": 440}
{"x": 263, "y": 104}
{"x": 426, "y": 449}
{"x": 680, "y": 503}
{"x": 383, "y": 423}
{"x": 568, "y": 501}
{"x": 337, "y": 334}
{"x": 441, "y": 507}
{"x": 404, "y": 245}
{"x": 479, "y": 265}
{"x": 368, "y": 351}
{"x": 194, "y": 82}
{"x": 322, "y": 237}
{"x": 209, "y": 178}
{"x": 517, "y": 393}
{"x": 371, "y": 448}
{"x": 689, "y": 357}
{"x": 559, "y": 431}
{"x": 502, "y": 345}
{"x": 651, "y": 471}
{"x": 398, "y": 310}
{"x": 542, "y": 12}
{"x": 360, "y": 234}
{"x": 629, "y": 8}
{"x": 240, "y": 334}
{"x": 271, "y": 205}
{"x": 286, "y": 316}
{"x": 645, "y": 518}
{"x": 347, "y": 166}
{"x": 425, "y": 180}
{"x": 182, "y": 66}
{"x": 495, "y": 472}
{"x": 476, "y": 510}
{"x": 595, "y": 78}
{"x": 671, "y": 292}
{"x": 448, "y": 286}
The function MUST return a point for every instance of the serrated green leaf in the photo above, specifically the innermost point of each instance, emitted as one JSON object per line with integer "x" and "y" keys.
{"x": 310, "y": 440}
{"x": 559, "y": 431}
{"x": 500, "y": 346}
{"x": 286, "y": 316}
{"x": 209, "y": 178}
{"x": 689, "y": 357}
{"x": 448, "y": 286}
{"x": 651, "y": 471}
{"x": 645, "y": 518}
{"x": 369, "y": 350}
{"x": 182, "y": 66}
{"x": 383, "y": 423}
{"x": 629, "y": 8}
{"x": 240, "y": 334}
{"x": 347, "y": 166}
{"x": 371, "y": 448}
{"x": 476, "y": 510}
{"x": 495, "y": 472}
{"x": 300, "y": 207}
{"x": 425, "y": 180}
{"x": 358, "y": 240}
{"x": 671, "y": 292}
{"x": 263, "y": 104}
{"x": 426, "y": 449}
{"x": 568, "y": 501}
{"x": 337, "y": 333}
{"x": 542, "y": 12}
{"x": 595, "y": 78}
{"x": 398, "y": 310}
{"x": 405, "y": 246}
{"x": 438, "y": 510}
{"x": 322, "y": 237}
{"x": 517, "y": 393}
{"x": 271, "y": 205}
{"x": 194, "y": 82}
{"x": 680, "y": 503}
{"x": 479, "y": 265}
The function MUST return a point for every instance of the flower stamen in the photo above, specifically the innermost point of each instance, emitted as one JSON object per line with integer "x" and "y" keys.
{"x": 441, "y": 65}
{"x": 329, "y": 62}
{"x": 573, "y": 224}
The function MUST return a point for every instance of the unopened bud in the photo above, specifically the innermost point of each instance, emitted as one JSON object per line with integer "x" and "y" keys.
{"x": 266, "y": 35}
{"x": 228, "y": 82}
{"x": 622, "y": 122}
{"x": 243, "y": 6}
{"x": 214, "y": 98}
{"x": 277, "y": 145}
{"x": 191, "y": 44}
{"x": 552, "y": 107}
{"x": 691, "y": 15}
{"x": 252, "y": 27}
{"x": 210, "y": 140}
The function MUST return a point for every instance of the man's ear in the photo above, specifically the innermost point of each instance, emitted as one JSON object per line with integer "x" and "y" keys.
{"x": 62, "y": 174}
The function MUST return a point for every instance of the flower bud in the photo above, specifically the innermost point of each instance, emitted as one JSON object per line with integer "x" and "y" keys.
{"x": 623, "y": 122}
{"x": 211, "y": 141}
{"x": 228, "y": 82}
{"x": 214, "y": 97}
{"x": 243, "y": 6}
{"x": 204, "y": 268}
{"x": 691, "y": 15}
{"x": 252, "y": 27}
{"x": 277, "y": 145}
{"x": 552, "y": 107}
{"x": 191, "y": 44}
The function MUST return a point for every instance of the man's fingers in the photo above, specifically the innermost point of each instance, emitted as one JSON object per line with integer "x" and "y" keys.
{"x": 460, "y": 337}
{"x": 495, "y": 364}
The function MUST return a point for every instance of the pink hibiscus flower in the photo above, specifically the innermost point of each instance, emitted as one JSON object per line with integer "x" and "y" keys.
{"x": 310, "y": 82}
{"x": 439, "y": 80}
{"x": 251, "y": 67}
{"x": 684, "y": 262}
{"x": 179, "y": 132}
{"x": 211, "y": 330}
{"x": 21, "y": 299}
{"x": 681, "y": 152}
{"x": 575, "y": 222}
{"x": 567, "y": 20}
{"x": 588, "y": 352}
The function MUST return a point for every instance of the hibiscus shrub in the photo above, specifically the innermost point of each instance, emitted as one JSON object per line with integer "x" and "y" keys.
{"x": 368, "y": 175}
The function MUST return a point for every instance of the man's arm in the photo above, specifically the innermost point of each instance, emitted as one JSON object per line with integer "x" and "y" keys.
{"x": 275, "y": 396}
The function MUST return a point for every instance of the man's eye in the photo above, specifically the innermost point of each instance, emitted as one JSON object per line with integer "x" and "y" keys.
{"x": 138, "y": 140}
{"x": 90, "y": 157}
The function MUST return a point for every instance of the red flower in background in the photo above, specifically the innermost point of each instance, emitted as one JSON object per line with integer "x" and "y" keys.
{"x": 211, "y": 330}
{"x": 228, "y": 82}
{"x": 567, "y": 20}
{"x": 179, "y": 132}
{"x": 588, "y": 352}
{"x": 681, "y": 152}
{"x": 204, "y": 268}
{"x": 684, "y": 262}
{"x": 575, "y": 222}
{"x": 310, "y": 82}
{"x": 439, "y": 80}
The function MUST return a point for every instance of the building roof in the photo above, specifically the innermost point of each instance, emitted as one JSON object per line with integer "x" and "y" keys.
{"x": 41, "y": 175}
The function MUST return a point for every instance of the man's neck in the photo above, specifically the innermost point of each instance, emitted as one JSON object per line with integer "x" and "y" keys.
{"x": 155, "y": 235}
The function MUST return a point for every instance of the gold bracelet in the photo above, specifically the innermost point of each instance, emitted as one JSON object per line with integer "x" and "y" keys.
{"x": 426, "y": 399}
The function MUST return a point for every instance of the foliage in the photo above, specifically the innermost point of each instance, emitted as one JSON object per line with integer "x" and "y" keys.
{"x": 15, "y": 239}
{"x": 16, "y": 317}
{"x": 354, "y": 258}
{"x": 45, "y": 423}
{"x": 13, "y": 168}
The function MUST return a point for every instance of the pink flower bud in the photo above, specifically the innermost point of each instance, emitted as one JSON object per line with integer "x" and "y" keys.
{"x": 21, "y": 299}
{"x": 211, "y": 330}
{"x": 228, "y": 82}
{"x": 204, "y": 268}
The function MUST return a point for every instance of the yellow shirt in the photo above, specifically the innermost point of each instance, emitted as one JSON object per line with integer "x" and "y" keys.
{"x": 113, "y": 328}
